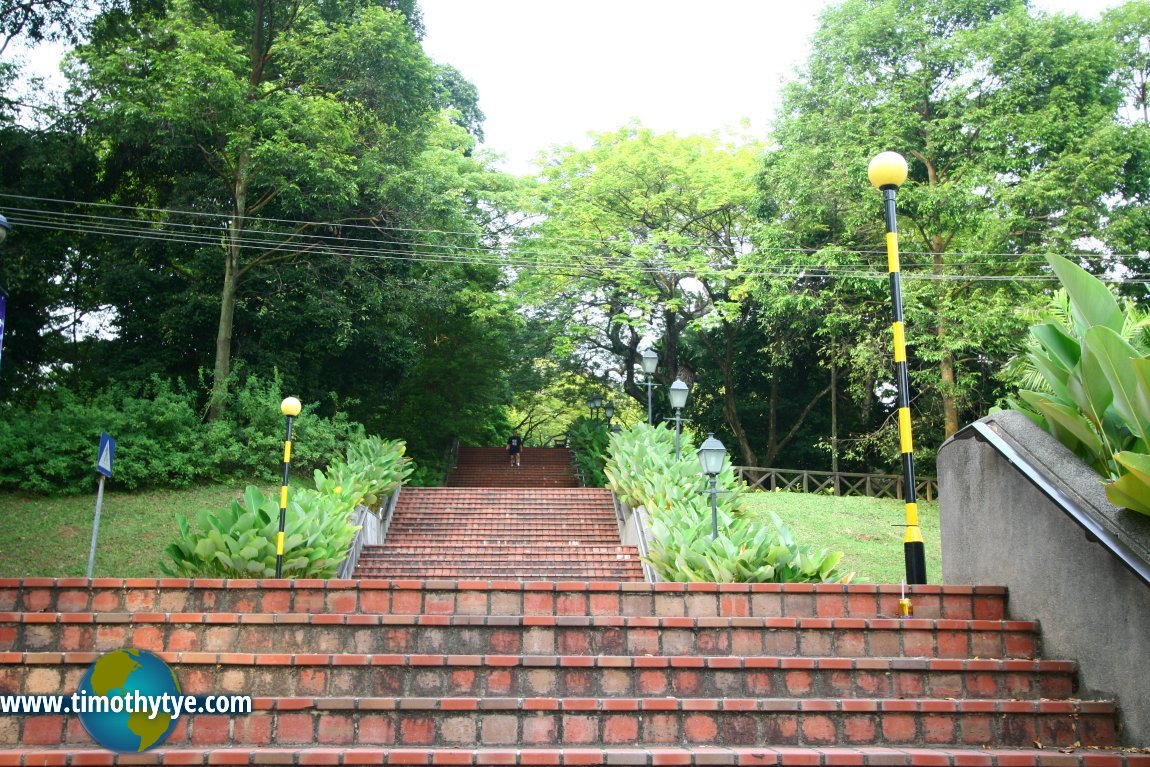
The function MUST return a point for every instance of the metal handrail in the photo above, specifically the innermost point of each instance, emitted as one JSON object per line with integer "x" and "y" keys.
{"x": 347, "y": 567}
{"x": 1073, "y": 509}
{"x": 641, "y": 531}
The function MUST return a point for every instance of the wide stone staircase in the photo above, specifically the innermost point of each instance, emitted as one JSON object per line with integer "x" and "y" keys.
{"x": 506, "y": 626}
{"x": 491, "y": 528}
{"x": 487, "y": 672}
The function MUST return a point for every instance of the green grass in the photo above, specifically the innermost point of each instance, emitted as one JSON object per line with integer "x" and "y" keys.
{"x": 868, "y": 530}
{"x": 50, "y": 536}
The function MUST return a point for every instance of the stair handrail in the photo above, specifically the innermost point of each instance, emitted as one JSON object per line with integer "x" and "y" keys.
{"x": 372, "y": 531}
{"x": 621, "y": 516}
{"x": 1072, "y": 508}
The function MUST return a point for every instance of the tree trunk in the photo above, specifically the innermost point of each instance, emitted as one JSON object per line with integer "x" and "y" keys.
{"x": 946, "y": 371}
{"x": 731, "y": 405}
{"x": 223, "y": 366}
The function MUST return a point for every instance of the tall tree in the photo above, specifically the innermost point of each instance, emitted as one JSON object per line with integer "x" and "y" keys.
{"x": 284, "y": 102}
{"x": 641, "y": 237}
{"x": 1007, "y": 119}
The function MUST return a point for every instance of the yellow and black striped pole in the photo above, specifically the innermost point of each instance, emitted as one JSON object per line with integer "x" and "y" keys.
{"x": 887, "y": 171}
{"x": 290, "y": 407}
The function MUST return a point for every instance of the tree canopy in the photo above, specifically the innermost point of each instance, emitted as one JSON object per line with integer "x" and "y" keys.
{"x": 296, "y": 189}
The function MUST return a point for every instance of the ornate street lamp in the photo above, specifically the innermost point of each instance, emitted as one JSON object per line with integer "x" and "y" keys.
{"x": 887, "y": 171}
{"x": 678, "y": 396}
{"x": 609, "y": 413}
{"x": 649, "y": 361}
{"x": 712, "y": 455}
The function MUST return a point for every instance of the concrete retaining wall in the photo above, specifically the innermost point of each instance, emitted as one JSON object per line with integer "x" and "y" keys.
{"x": 998, "y": 528}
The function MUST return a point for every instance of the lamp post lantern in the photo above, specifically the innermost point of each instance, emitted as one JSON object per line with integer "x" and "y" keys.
{"x": 4, "y": 227}
{"x": 678, "y": 395}
{"x": 290, "y": 407}
{"x": 591, "y": 405}
{"x": 712, "y": 454}
{"x": 609, "y": 412}
{"x": 649, "y": 362}
{"x": 887, "y": 171}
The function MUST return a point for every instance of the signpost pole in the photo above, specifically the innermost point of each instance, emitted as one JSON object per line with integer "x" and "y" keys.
{"x": 104, "y": 457}
{"x": 96, "y": 527}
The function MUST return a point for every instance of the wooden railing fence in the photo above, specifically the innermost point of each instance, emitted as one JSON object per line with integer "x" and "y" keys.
{"x": 834, "y": 483}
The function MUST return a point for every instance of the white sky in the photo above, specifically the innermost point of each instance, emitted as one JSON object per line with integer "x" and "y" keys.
{"x": 548, "y": 71}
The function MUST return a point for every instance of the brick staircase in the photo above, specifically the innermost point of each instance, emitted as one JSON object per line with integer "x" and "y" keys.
{"x": 491, "y": 467}
{"x": 495, "y": 521}
{"x": 495, "y": 673}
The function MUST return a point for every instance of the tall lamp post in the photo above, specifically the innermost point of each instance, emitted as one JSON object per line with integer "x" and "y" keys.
{"x": 712, "y": 454}
{"x": 649, "y": 362}
{"x": 678, "y": 395}
{"x": 887, "y": 171}
{"x": 290, "y": 407}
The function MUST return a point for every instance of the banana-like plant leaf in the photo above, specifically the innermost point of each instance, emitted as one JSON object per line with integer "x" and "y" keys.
{"x": 1114, "y": 358}
{"x": 1060, "y": 346}
{"x": 1091, "y": 302}
{"x": 1130, "y": 492}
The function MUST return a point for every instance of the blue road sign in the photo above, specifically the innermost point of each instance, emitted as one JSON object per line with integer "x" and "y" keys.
{"x": 105, "y": 454}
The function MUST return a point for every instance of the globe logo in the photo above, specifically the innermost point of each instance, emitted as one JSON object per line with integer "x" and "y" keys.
{"x": 126, "y": 678}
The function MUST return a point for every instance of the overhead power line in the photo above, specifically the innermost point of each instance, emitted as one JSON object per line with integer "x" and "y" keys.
{"x": 212, "y": 233}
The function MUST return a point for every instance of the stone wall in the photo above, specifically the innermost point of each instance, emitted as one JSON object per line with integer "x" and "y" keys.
{"x": 999, "y": 527}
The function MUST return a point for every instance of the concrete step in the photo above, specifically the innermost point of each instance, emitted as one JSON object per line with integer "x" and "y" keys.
{"x": 494, "y": 597}
{"x": 512, "y": 635}
{"x": 574, "y": 676}
{"x": 620, "y": 721}
{"x": 595, "y": 756}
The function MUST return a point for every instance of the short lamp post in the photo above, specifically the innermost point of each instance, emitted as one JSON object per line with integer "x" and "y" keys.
{"x": 290, "y": 407}
{"x": 609, "y": 413}
{"x": 678, "y": 395}
{"x": 591, "y": 406}
{"x": 887, "y": 171}
{"x": 712, "y": 455}
{"x": 649, "y": 363}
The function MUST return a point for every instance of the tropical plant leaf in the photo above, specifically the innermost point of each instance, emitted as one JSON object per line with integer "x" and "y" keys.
{"x": 1091, "y": 302}
{"x": 1114, "y": 357}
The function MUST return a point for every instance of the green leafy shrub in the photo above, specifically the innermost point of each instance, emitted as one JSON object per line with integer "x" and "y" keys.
{"x": 248, "y": 442}
{"x": 643, "y": 471}
{"x": 160, "y": 439}
{"x": 51, "y": 447}
{"x": 588, "y": 438}
{"x": 1097, "y": 384}
{"x": 372, "y": 469}
{"x": 240, "y": 540}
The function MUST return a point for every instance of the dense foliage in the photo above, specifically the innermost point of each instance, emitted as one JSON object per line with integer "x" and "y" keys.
{"x": 324, "y": 210}
{"x": 161, "y": 440}
{"x": 588, "y": 441}
{"x": 1096, "y": 397}
{"x": 239, "y": 541}
{"x": 643, "y": 471}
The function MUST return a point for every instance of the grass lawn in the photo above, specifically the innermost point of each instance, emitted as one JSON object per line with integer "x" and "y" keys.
{"x": 51, "y": 536}
{"x": 866, "y": 529}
